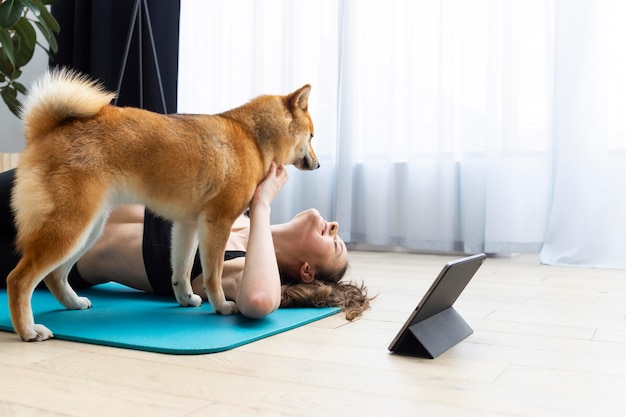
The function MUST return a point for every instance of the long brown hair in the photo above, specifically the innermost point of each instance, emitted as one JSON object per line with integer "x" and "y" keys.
{"x": 327, "y": 290}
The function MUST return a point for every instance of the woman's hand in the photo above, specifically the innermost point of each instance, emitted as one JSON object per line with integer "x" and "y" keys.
{"x": 270, "y": 186}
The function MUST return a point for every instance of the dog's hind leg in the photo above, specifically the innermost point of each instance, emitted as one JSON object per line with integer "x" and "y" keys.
{"x": 184, "y": 246}
{"x": 33, "y": 267}
{"x": 57, "y": 281}
{"x": 47, "y": 248}
{"x": 21, "y": 283}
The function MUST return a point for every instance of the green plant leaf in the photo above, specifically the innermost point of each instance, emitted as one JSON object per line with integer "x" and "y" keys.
{"x": 9, "y": 95}
{"x": 50, "y": 21}
{"x": 5, "y": 66}
{"x": 9, "y": 91}
{"x": 18, "y": 41}
{"x": 10, "y": 13}
{"x": 25, "y": 40}
{"x": 43, "y": 15}
{"x": 23, "y": 56}
{"x": 32, "y": 7}
{"x": 50, "y": 38}
{"x": 26, "y": 32}
{"x": 7, "y": 45}
{"x": 20, "y": 87}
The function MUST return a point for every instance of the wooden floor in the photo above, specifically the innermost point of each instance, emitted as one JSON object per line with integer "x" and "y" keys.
{"x": 548, "y": 341}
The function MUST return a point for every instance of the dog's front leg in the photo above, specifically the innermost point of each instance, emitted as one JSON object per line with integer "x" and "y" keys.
{"x": 213, "y": 237}
{"x": 184, "y": 245}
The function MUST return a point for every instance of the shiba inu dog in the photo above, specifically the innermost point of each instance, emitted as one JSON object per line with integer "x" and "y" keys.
{"x": 83, "y": 156}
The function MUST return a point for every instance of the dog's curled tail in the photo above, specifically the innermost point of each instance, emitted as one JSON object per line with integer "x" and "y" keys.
{"x": 58, "y": 95}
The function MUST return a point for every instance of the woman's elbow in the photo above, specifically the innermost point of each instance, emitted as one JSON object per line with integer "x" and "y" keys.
{"x": 257, "y": 306}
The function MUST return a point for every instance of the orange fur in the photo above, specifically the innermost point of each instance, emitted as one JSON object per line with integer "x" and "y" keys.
{"x": 84, "y": 156}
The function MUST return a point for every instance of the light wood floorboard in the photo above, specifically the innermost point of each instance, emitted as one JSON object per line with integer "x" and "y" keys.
{"x": 548, "y": 341}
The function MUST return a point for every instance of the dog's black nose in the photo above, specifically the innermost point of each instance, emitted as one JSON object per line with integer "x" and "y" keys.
{"x": 308, "y": 164}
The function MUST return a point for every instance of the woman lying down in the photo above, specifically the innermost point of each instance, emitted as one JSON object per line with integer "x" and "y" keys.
{"x": 300, "y": 263}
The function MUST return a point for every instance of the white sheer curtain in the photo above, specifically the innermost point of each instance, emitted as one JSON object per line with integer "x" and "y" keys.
{"x": 588, "y": 217}
{"x": 441, "y": 125}
{"x": 446, "y": 124}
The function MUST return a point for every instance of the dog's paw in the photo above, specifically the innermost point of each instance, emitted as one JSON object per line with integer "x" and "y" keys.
{"x": 189, "y": 300}
{"x": 38, "y": 333}
{"x": 81, "y": 303}
{"x": 75, "y": 302}
{"x": 226, "y": 308}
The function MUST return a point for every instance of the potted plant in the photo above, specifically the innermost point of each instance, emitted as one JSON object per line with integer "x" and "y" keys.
{"x": 18, "y": 40}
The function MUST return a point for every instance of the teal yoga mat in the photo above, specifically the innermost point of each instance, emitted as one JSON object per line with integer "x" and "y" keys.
{"x": 127, "y": 318}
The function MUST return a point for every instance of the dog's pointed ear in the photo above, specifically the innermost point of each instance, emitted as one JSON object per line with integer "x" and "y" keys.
{"x": 299, "y": 99}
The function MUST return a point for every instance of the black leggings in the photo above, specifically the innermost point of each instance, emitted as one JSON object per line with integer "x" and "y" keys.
{"x": 8, "y": 255}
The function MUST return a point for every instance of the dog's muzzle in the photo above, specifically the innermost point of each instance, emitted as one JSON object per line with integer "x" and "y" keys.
{"x": 310, "y": 164}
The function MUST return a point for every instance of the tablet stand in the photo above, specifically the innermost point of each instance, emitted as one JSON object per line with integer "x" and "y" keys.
{"x": 431, "y": 337}
{"x": 137, "y": 20}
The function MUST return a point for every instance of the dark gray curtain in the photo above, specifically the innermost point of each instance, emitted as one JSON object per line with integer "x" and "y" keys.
{"x": 94, "y": 39}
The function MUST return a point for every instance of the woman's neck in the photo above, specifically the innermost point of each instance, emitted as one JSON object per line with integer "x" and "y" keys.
{"x": 283, "y": 244}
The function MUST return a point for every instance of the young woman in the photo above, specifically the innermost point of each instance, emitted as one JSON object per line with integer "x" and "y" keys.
{"x": 295, "y": 264}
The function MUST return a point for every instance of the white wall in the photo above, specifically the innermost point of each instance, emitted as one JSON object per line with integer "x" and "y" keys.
{"x": 11, "y": 129}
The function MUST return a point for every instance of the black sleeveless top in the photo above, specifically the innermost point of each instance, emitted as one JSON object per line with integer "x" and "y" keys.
{"x": 157, "y": 254}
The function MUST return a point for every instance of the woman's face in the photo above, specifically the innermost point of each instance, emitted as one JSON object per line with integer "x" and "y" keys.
{"x": 316, "y": 241}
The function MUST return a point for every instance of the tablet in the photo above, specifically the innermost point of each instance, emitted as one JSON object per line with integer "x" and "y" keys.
{"x": 434, "y": 325}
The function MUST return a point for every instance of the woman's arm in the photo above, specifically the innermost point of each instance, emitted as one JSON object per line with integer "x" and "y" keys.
{"x": 260, "y": 289}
